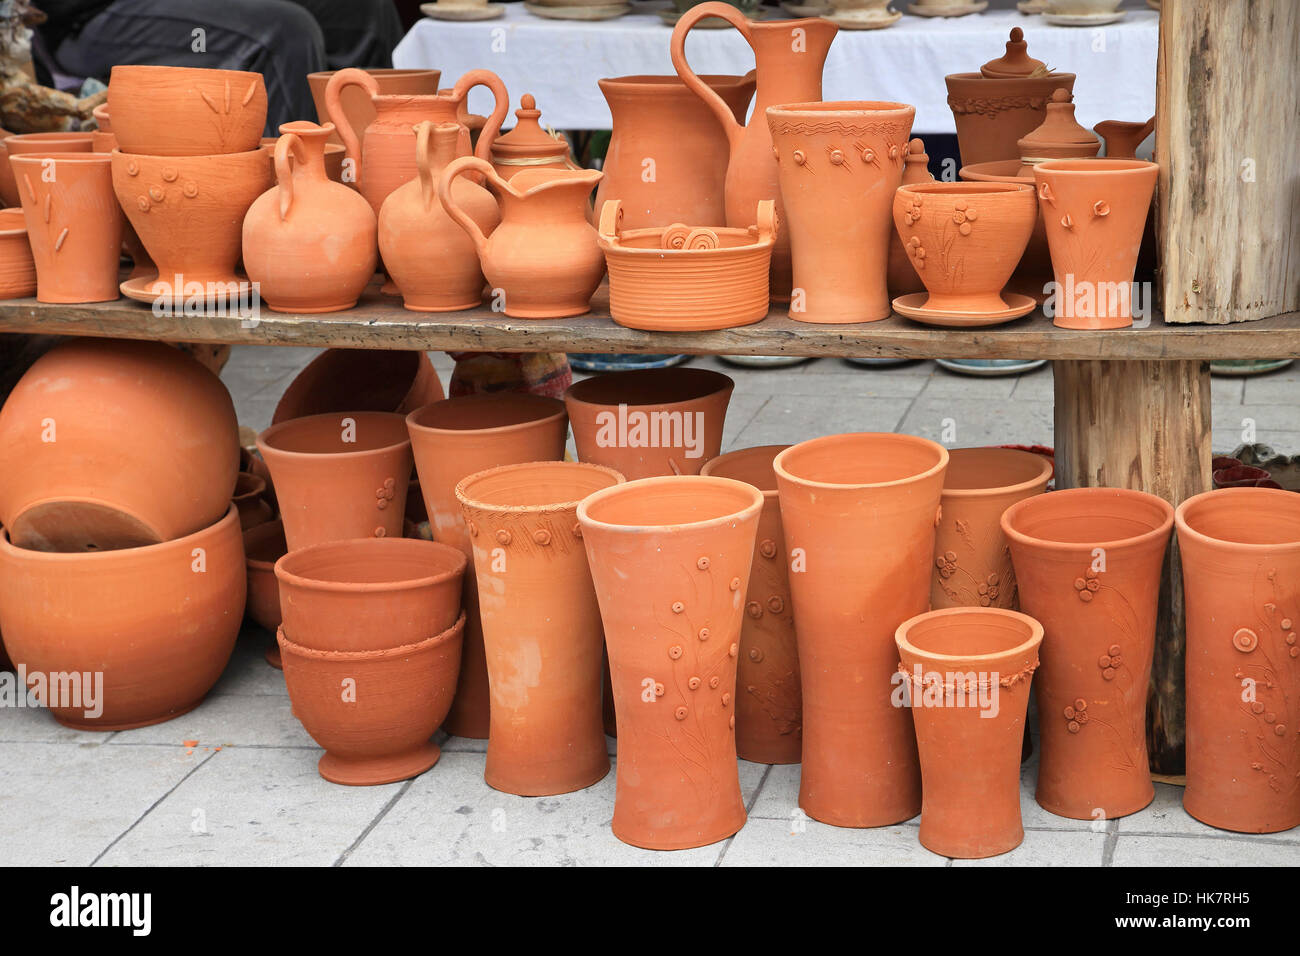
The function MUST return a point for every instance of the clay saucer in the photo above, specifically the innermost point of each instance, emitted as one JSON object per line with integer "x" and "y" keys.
{"x": 1031, "y": 7}
{"x": 955, "y": 9}
{"x": 605, "y": 11}
{"x": 671, "y": 16}
{"x": 455, "y": 11}
{"x": 1082, "y": 19}
{"x": 912, "y": 307}
{"x": 862, "y": 19}
{"x": 138, "y": 289}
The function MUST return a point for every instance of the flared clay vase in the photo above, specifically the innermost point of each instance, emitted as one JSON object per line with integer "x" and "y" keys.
{"x": 1088, "y": 564}
{"x": 361, "y": 380}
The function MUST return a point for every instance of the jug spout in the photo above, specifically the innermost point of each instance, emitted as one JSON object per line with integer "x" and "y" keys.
{"x": 1122, "y": 137}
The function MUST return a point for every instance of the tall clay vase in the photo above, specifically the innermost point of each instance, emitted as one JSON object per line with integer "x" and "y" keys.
{"x": 858, "y": 508}
{"x": 541, "y": 624}
{"x": 965, "y": 673}
{"x": 840, "y": 164}
{"x": 1240, "y": 552}
{"x": 768, "y": 698}
{"x": 1088, "y": 564}
{"x": 789, "y": 56}
{"x": 670, "y": 558}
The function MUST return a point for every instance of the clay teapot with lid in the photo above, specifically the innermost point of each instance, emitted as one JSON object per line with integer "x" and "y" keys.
{"x": 530, "y": 144}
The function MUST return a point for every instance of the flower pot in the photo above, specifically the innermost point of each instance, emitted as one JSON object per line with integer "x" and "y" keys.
{"x": 263, "y": 546}
{"x": 103, "y": 141}
{"x": 670, "y": 558}
{"x": 250, "y": 501}
{"x": 186, "y": 111}
{"x": 355, "y": 101}
{"x": 370, "y": 380}
{"x": 36, "y": 144}
{"x": 17, "y": 267}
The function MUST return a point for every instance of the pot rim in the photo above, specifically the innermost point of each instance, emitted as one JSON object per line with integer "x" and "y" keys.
{"x": 257, "y": 563}
{"x": 571, "y": 505}
{"x": 870, "y": 108}
{"x": 210, "y": 159}
{"x": 380, "y": 70}
{"x": 365, "y": 657}
{"x": 216, "y": 74}
{"x": 721, "y": 383}
{"x": 983, "y": 174}
{"x": 1146, "y": 537}
{"x": 965, "y": 187}
{"x": 539, "y": 401}
{"x": 634, "y": 487}
{"x": 753, "y": 451}
{"x": 20, "y": 230}
{"x": 263, "y": 446}
{"x": 1084, "y": 167}
{"x": 286, "y": 576}
{"x": 1009, "y": 80}
{"x": 1044, "y": 476}
{"x": 1035, "y": 633}
{"x": 661, "y": 81}
{"x": 68, "y": 557}
{"x": 1180, "y": 518}
{"x": 778, "y": 464}
{"x": 76, "y": 159}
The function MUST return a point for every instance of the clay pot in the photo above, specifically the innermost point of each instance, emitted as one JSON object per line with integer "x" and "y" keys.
{"x": 528, "y": 145}
{"x": 309, "y": 242}
{"x": 541, "y": 624}
{"x": 1242, "y": 476}
{"x": 768, "y": 699}
{"x": 339, "y": 475}
{"x": 186, "y": 111}
{"x": 355, "y": 101}
{"x": 158, "y": 631}
{"x": 650, "y": 422}
{"x": 966, "y": 673}
{"x": 250, "y": 501}
{"x": 1033, "y": 274}
{"x": 840, "y": 164}
{"x": 900, "y": 274}
{"x": 367, "y": 380}
{"x": 103, "y": 141}
{"x": 972, "y": 561}
{"x": 264, "y": 545}
{"x": 35, "y": 144}
{"x": 1240, "y": 552}
{"x": 17, "y": 267}
{"x": 107, "y": 444}
{"x": 378, "y": 732}
{"x": 1088, "y": 563}
{"x": 669, "y": 558}
{"x": 860, "y": 508}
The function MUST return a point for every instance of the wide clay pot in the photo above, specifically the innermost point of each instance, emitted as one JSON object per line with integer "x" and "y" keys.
{"x": 376, "y": 731}
{"x": 109, "y": 444}
{"x": 363, "y": 380}
{"x": 1088, "y": 563}
{"x": 541, "y": 624}
{"x": 1033, "y": 275}
{"x": 186, "y": 111}
{"x": 670, "y": 558}
{"x": 339, "y": 475}
{"x": 36, "y": 144}
{"x": 840, "y": 165}
{"x": 17, "y": 267}
{"x": 972, "y": 561}
{"x": 310, "y": 243}
{"x": 1240, "y": 553}
{"x": 264, "y": 545}
{"x": 768, "y": 698}
{"x": 650, "y": 422}
{"x": 158, "y": 622}
{"x": 861, "y": 508}
{"x": 250, "y": 501}
{"x": 355, "y": 101}
{"x": 452, "y": 440}
{"x": 966, "y": 674}
{"x": 900, "y": 274}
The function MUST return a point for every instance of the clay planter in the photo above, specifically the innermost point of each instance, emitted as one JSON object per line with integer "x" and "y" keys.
{"x": 355, "y": 101}
{"x": 36, "y": 144}
{"x": 1240, "y": 553}
{"x": 768, "y": 699}
{"x": 541, "y": 625}
{"x": 669, "y": 558}
{"x": 379, "y": 732}
{"x": 860, "y": 508}
{"x": 159, "y": 622}
{"x": 186, "y": 111}
{"x": 966, "y": 673}
{"x": 1088, "y": 564}
{"x": 972, "y": 561}
{"x": 900, "y": 274}
{"x": 250, "y": 501}
{"x": 144, "y": 448}
{"x": 840, "y": 164}
{"x": 369, "y": 380}
{"x": 17, "y": 267}
{"x": 263, "y": 546}
{"x": 650, "y": 422}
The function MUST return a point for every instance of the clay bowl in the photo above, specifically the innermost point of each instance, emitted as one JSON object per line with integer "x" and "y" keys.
{"x": 357, "y": 106}
{"x": 159, "y": 632}
{"x": 334, "y": 153}
{"x": 250, "y": 500}
{"x": 1243, "y": 476}
{"x": 17, "y": 267}
{"x": 342, "y": 380}
{"x": 30, "y": 143}
{"x": 380, "y": 732}
{"x": 186, "y": 111}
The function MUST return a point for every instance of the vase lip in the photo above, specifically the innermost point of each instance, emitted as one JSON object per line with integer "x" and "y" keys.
{"x": 184, "y": 544}
{"x": 696, "y": 384}
{"x": 574, "y": 468}
{"x": 1159, "y": 533}
{"x": 843, "y": 108}
{"x": 359, "y": 547}
{"x": 660, "y": 81}
{"x": 1075, "y": 167}
{"x": 640, "y": 485}
{"x": 553, "y": 408}
{"x": 761, "y": 452}
{"x": 1044, "y": 475}
{"x": 365, "y": 657}
{"x": 1035, "y": 628}
{"x": 265, "y": 439}
{"x": 972, "y": 187}
{"x": 305, "y": 128}
{"x": 1192, "y": 504}
{"x": 779, "y": 463}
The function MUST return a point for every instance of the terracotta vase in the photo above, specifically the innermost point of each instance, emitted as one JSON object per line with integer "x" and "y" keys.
{"x": 35, "y": 144}
{"x": 860, "y": 508}
{"x": 378, "y": 732}
{"x": 789, "y": 56}
{"x": 966, "y": 674}
{"x": 355, "y": 101}
{"x": 186, "y": 111}
{"x": 650, "y": 422}
{"x": 17, "y": 267}
{"x": 430, "y": 258}
{"x": 900, "y": 274}
{"x": 1240, "y": 552}
{"x": 670, "y": 558}
{"x": 157, "y": 622}
{"x": 250, "y": 501}
{"x": 840, "y": 164}
{"x": 264, "y": 545}
{"x": 768, "y": 698}
{"x": 541, "y": 624}
{"x": 103, "y": 141}
{"x": 1088, "y": 563}
{"x": 108, "y": 444}
{"x": 309, "y": 242}
{"x": 528, "y": 145}
{"x": 339, "y": 475}
{"x": 1033, "y": 275}
{"x": 661, "y": 120}
{"x": 363, "y": 380}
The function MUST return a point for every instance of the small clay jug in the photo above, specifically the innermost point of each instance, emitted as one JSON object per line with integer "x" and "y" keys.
{"x": 17, "y": 267}
{"x": 1122, "y": 138}
{"x": 362, "y": 380}
{"x": 900, "y": 274}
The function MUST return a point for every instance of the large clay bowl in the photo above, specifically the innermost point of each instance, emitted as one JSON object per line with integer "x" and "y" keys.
{"x": 17, "y": 267}
{"x": 186, "y": 111}
{"x": 370, "y": 380}
{"x": 30, "y": 143}
{"x": 356, "y": 101}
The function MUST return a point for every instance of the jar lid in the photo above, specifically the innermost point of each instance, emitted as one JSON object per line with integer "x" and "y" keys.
{"x": 916, "y": 168}
{"x": 528, "y": 138}
{"x": 1059, "y": 132}
{"x": 1016, "y": 61}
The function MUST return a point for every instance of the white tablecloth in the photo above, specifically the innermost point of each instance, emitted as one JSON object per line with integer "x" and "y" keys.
{"x": 559, "y": 61}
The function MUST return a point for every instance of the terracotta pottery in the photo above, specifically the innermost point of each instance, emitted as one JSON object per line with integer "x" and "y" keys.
{"x": 670, "y": 558}
{"x": 789, "y": 56}
{"x": 768, "y": 698}
{"x": 250, "y": 501}
{"x": 36, "y": 144}
{"x": 379, "y": 731}
{"x": 17, "y": 267}
{"x": 966, "y": 674}
{"x": 858, "y": 508}
{"x": 650, "y": 422}
{"x": 1123, "y": 138}
{"x": 528, "y": 145}
{"x": 542, "y": 261}
{"x": 840, "y": 164}
{"x": 103, "y": 141}
{"x": 452, "y": 440}
{"x": 660, "y": 121}
{"x": 1088, "y": 564}
{"x": 364, "y": 380}
{"x": 334, "y": 155}
{"x": 186, "y": 111}
{"x": 310, "y": 243}
{"x": 1033, "y": 275}
{"x": 972, "y": 560}
{"x": 355, "y": 101}
{"x": 339, "y": 475}
{"x": 263, "y": 546}
{"x": 158, "y": 622}
{"x": 1094, "y": 211}
{"x": 1240, "y": 553}
{"x": 900, "y": 274}
{"x": 108, "y": 444}
{"x": 1060, "y": 136}
{"x": 541, "y": 624}
{"x": 429, "y": 257}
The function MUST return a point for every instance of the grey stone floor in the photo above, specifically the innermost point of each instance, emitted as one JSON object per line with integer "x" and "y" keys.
{"x": 248, "y": 792}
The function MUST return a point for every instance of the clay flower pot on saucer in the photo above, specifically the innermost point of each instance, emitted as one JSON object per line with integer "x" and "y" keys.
{"x": 17, "y": 267}
{"x": 186, "y": 111}
{"x": 263, "y": 546}
{"x": 363, "y": 380}
{"x": 250, "y": 501}
{"x": 36, "y": 144}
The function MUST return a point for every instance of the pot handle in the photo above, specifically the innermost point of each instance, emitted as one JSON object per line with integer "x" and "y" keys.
{"x": 334, "y": 107}
{"x": 457, "y": 167}
{"x": 491, "y": 81}
{"x": 766, "y": 220}
{"x": 611, "y": 220}
{"x": 423, "y": 141}
{"x": 677, "y": 49}
{"x": 286, "y": 144}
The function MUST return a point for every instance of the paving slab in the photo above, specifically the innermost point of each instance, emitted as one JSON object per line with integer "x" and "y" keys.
{"x": 787, "y": 419}
{"x": 973, "y": 422}
{"x": 791, "y": 842}
{"x": 1172, "y": 852}
{"x": 224, "y": 720}
{"x": 1049, "y": 848}
{"x": 1166, "y": 817}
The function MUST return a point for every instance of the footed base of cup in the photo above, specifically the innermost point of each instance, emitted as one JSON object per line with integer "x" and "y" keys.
{"x": 374, "y": 771}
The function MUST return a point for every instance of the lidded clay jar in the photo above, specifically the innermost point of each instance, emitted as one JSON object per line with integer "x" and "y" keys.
{"x": 529, "y": 144}
{"x": 1060, "y": 136}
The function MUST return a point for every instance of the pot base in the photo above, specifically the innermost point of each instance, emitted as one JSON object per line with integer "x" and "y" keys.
{"x": 505, "y": 786}
{"x": 457, "y": 307}
{"x": 128, "y": 725}
{"x": 1212, "y": 820}
{"x": 648, "y": 844}
{"x": 316, "y": 310}
{"x": 962, "y": 852}
{"x": 273, "y": 657}
{"x": 861, "y": 823}
{"x": 558, "y": 312}
{"x": 374, "y": 771}
{"x": 1090, "y": 814}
